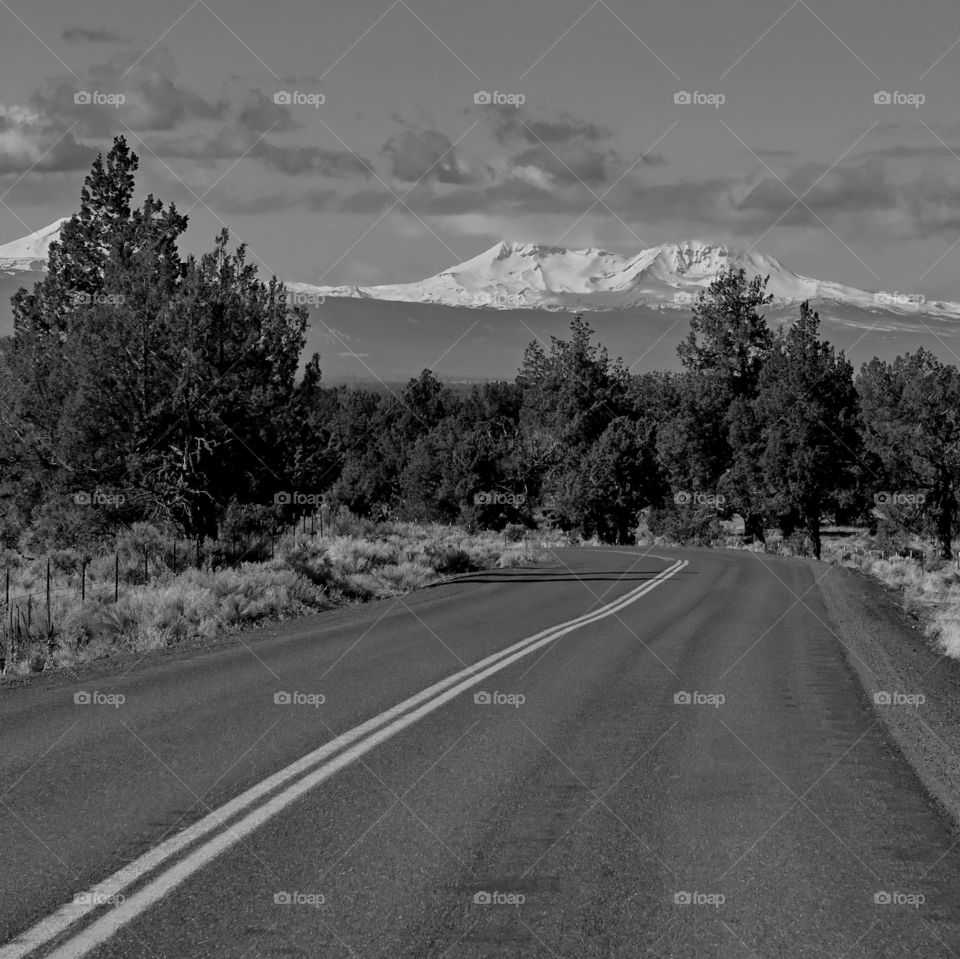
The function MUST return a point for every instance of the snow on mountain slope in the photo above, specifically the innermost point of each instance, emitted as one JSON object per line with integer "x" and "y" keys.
{"x": 514, "y": 275}
{"x": 30, "y": 252}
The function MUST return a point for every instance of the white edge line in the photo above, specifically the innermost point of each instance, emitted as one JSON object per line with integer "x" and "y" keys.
{"x": 58, "y": 922}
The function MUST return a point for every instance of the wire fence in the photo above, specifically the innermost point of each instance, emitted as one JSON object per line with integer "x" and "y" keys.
{"x": 28, "y": 615}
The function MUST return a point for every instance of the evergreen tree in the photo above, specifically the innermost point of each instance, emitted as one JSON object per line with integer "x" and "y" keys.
{"x": 809, "y": 412}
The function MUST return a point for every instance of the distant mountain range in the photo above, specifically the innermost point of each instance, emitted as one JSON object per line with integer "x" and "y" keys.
{"x": 513, "y": 275}
{"x": 517, "y": 276}
{"x": 474, "y": 320}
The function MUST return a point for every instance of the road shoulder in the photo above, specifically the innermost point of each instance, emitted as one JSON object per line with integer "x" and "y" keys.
{"x": 894, "y": 662}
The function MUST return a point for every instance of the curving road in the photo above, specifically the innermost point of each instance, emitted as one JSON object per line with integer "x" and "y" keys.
{"x": 615, "y": 754}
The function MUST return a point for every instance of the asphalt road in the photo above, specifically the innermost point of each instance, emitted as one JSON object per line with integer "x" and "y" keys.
{"x": 556, "y": 801}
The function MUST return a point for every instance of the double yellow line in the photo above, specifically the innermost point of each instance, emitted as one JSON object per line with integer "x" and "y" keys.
{"x": 318, "y": 766}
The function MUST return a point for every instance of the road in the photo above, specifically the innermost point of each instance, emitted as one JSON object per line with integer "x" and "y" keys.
{"x": 685, "y": 767}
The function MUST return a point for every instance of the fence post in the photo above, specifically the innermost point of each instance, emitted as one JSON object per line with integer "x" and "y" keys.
{"x": 116, "y": 577}
{"x": 146, "y": 570}
{"x": 83, "y": 580}
{"x": 174, "y": 556}
{"x": 49, "y": 623}
{"x": 198, "y": 551}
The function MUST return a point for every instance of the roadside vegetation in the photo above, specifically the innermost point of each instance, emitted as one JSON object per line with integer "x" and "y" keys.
{"x": 354, "y": 561}
{"x": 145, "y": 394}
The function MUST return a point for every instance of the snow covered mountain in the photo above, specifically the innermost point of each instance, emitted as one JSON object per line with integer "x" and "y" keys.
{"x": 29, "y": 254}
{"x": 513, "y": 275}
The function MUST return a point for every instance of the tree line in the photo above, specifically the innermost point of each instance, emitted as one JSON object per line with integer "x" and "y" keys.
{"x": 140, "y": 385}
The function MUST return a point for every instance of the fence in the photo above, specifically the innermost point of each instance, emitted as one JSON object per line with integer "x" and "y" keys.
{"x": 26, "y": 617}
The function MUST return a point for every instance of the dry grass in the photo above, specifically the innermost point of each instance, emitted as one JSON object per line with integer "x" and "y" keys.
{"x": 931, "y": 591}
{"x": 307, "y": 574}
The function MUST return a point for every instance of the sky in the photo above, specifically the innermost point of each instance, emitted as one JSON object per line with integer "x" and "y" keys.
{"x": 343, "y": 142}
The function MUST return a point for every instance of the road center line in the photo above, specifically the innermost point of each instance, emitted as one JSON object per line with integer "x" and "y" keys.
{"x": 331, "y": 757}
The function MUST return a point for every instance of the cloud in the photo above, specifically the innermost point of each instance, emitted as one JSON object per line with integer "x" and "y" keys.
{"x": 92, "y": 35}
{"x": 230, "y": 143}
{"x": 566, "y": 165}
{"x": 153, "y": 101}
{"x": 260, "y": 114}
{"x": 424, "y": 156}
{"x": 29, "y": 141}
{"x": 510, "y": 125}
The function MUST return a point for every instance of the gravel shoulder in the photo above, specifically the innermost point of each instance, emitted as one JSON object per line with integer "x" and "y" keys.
{"x": 887, "y": 651}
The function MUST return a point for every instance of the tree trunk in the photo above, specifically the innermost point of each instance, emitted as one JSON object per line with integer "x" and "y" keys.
{"x": 945, "y": 522}
{"x": 753, "y": 528}
{"x": 813, "y": 530}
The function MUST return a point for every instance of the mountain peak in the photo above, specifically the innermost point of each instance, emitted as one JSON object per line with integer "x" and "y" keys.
{"x": 30, "y": 252}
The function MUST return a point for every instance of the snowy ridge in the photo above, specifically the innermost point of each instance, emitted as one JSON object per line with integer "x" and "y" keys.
{"x": 30, "y": 252}
{"x": 512, "y": 275}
